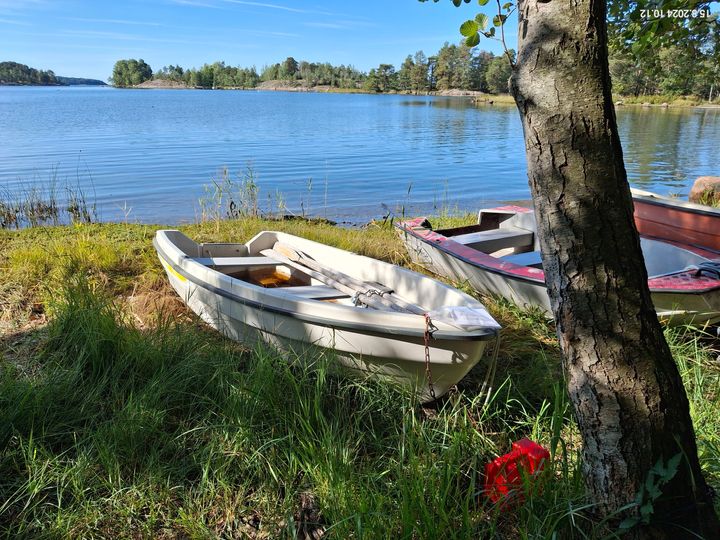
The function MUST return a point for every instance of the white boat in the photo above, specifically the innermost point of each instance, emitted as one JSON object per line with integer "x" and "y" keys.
{"x": 501, "y": 255}
{"x": 253, "y": 291}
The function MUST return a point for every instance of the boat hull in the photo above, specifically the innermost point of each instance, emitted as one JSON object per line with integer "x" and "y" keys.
{"x": 678, "y": 221}
{"x": 398, "y": 354}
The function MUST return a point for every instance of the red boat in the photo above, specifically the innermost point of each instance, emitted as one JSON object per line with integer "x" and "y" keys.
{"x": 678, "y": 221}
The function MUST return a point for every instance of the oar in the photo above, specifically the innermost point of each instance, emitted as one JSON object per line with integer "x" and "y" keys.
{"x": 392, "y": 302}
{"x": 372, "y": 301}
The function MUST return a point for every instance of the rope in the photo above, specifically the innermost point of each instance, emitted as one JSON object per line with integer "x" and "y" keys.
{"x": 709, "y": 268}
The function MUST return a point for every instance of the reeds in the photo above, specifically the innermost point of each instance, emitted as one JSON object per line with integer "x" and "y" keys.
{"x": 34, "y": 203}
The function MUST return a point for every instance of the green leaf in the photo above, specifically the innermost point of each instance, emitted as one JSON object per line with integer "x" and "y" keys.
{"x": 672, "y": 466}
{"x": 483, "y": 2}
{"x": 469, "y": 28}
{"x": 482, "y": 20}
{"x": 507, "y": 5}
{"x": 498, "y": 20}
{"x": 628, "y": 523}
{"x": 457, "y": 2}
{"x": 473, "y": 40}
{"x": 646, "y": 510}
{"x": 490, "y": 33}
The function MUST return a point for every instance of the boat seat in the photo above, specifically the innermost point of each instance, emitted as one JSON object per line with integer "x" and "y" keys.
{"x": 496, "y": 239}
{"x": 236, "y": 262}
{"x": 315, "y": 292}
{"x": 530, "y": 258}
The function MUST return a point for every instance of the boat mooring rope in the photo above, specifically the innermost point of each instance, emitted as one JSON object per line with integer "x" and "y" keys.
{"x": 709, "y": 268}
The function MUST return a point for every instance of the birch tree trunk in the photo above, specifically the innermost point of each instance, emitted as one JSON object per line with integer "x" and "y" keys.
{"x": 625, "y": 387}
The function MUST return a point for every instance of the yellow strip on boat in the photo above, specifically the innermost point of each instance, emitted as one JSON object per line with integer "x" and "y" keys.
{"x": 172, "y": 270}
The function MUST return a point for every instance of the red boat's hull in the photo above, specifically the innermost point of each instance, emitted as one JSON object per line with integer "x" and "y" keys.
{"x": 678, "y": 221}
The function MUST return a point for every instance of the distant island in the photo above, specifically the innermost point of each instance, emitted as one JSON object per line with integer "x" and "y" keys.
{"x": 12, "y": 74}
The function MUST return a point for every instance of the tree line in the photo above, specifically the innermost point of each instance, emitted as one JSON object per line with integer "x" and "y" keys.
{"x": 14, "y": 73}
{"x": 690, "y": 66}
{"x": 452, "y": 67}
{"x": 686, "y": 64}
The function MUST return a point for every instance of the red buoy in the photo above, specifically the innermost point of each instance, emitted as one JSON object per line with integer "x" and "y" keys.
{"x": 504, "y": 475}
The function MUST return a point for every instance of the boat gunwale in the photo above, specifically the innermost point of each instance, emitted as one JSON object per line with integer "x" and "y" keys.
{"x": 658, "y": 200}
{"x": 485, "y": 334}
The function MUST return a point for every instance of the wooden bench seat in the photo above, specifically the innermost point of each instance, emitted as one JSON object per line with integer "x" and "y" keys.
{"x": 495, "y": 239}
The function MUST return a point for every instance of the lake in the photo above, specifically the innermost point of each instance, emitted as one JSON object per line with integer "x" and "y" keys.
{"x": 144, "y": 155}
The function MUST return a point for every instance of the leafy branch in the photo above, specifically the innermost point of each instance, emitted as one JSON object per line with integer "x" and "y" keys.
{"x": 472, "y": 29}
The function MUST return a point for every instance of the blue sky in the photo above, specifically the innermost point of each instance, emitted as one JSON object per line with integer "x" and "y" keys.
{"x": 84, "y": 38}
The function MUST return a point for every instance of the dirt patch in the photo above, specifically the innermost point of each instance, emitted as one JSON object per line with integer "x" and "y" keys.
{"x": 148, "y": 307}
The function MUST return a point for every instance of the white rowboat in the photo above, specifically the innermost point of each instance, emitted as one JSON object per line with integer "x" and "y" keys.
{"x": 253, "y": 291}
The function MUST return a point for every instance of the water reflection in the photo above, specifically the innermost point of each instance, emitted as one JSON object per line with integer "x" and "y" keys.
{"x": 666, "y": 149}
{"x": 338, "y": 155}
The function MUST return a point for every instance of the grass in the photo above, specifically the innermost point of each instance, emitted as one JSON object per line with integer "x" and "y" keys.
{"x": 671, "y": 100}
{"x": 117, "y": 421}
{"x": 709, "y": 197}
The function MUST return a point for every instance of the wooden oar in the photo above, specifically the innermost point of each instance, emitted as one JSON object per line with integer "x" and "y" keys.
{"x": 367, "y": 290}
{"x": 371, "y": 301}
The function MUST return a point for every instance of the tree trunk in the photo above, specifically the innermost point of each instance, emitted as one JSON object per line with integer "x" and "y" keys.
{"x": 628, "y": 398}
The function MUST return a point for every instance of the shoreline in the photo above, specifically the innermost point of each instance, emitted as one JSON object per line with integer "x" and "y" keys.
{"x": 477, "y": 97}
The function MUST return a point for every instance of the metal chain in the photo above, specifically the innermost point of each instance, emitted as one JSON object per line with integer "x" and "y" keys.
{"x": 428, "y": 336}
{"x": 357, "y": 301}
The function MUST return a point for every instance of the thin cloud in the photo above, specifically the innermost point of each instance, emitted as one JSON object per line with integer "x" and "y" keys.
{"x": 268, "y": 33}
{"x": 194, "y": 3}
{"x": 250, "y": 3}
{"x": 123, "y": 37}
{"x": 332, "y": 26}
{"x": 264, "y": 5}
{"x": 12, "y": 7}
{"x": 113, "y": 21}
{"x": 16, "y": 23}
{"x": 20, "y": 4}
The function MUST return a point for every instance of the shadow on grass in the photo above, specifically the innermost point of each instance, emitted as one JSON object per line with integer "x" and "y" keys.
{"x": 174, "y": 431}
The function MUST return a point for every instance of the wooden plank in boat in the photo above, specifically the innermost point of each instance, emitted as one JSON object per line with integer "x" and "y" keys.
{"x": 496, "y": 239}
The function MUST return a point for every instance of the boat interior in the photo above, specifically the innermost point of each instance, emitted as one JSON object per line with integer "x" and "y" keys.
{"x": 234, "y": 260}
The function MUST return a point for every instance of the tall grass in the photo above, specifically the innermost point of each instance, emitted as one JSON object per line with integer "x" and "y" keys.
{"x": 169, "y": 430}
{"x": 175, "y": 431}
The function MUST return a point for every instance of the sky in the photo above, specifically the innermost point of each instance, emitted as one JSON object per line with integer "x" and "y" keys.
{"x": 84, "y": 38}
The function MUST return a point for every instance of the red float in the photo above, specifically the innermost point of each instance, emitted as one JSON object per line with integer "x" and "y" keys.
{"x": 504, "y": 475}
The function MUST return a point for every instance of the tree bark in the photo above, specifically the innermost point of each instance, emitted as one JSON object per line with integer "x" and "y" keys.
{"x": 627, "y": 394}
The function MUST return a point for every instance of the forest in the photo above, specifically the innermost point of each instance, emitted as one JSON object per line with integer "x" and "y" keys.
{"x": 689, "y": 67}
{"x": 14, "y": 73}
{"x": 20, "y": 74}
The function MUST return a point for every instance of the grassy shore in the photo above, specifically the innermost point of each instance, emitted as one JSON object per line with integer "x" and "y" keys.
{"x": 123, "y": 415}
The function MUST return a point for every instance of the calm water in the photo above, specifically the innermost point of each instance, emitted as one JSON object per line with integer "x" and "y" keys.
{"x": 147, "y": 154}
